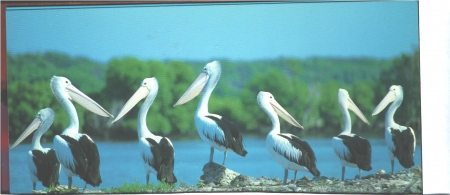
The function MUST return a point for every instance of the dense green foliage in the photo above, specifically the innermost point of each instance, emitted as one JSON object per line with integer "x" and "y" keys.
{"x": 29, "y": 88}
{"x": 306, "y": 88}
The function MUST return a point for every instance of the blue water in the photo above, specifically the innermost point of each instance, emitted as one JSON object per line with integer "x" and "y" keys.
{"x": 121, "y": 162}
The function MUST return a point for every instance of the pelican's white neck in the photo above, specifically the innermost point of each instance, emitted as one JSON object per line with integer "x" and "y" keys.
{"x": 202, "y": 108}
{"x": 275, "y": 123}
{"x": 273, "y": 118}
{"x": 71, "y": 111}
{"x": 389, "y": 118}
{"x": 142, "y": 116}
{"x": 36, "y": 141}
{"x": 63, "y": 98}
{"x": 347, "y": 120}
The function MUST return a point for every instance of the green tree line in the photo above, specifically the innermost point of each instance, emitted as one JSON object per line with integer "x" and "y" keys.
{"x": 306, "y": 88}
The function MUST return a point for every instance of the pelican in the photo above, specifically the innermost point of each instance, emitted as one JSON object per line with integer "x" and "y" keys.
{"x": 288, "y": 150}
{"x": 77, "y": 152}
{"x": 213, "y": 129}
{"x": 400, "y": 140}
{"x": 42, "y": 162}
{"x": 352, "y": 150}
{"x": 157, "y": 152}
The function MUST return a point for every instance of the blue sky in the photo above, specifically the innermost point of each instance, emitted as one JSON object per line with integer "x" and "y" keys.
{"x": 217, "y": 31}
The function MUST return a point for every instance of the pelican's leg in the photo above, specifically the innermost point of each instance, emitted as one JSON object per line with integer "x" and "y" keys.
{"x": 343, "y": 172}
{"x": 285, "y": 177}
{"x": 359, "y": 174}
{"x": 70, "y": 182}
{"x": 392, "y": 166}
{"x": 34, "y": 185}
{"x": 84, "y": 189}
{"x": 224, "y": 158}
{"x": 147, "y": 177}
{"x": 295, "y": 176}
{"x": 211, "y": 155}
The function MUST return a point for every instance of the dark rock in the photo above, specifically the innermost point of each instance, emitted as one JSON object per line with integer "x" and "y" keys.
{"x": 386, "y": 176}
{"x": 305, "y": 178}
{"x": 369, "y": 176}
{"x": 319, "y": 178}
{"x": 217, "y": 174}
{"x": 242, "y": 180}
{"x": 301, "y": 182}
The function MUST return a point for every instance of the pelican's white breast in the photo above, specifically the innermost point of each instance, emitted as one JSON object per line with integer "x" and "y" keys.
{"x": 273, "y": 142}
{"x": 342, "y": 151}
{"x": 32, "y": 167}
{"x": 208, "y": 127}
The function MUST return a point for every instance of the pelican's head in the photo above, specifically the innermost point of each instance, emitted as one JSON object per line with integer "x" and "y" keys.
{"x": 60, "y": 84}
{"x": 44, "y": 118}
{"x": 148, "y": 88}
{"x": 151, "y": 84}
{"x": 64, "y": 90}
{"x": 268, "y": 103}
{"x": 213, "y": 69}
{"x": 395, "y": 94}
{"x": 210, "y": 74}
{"x": 347, "y": 103}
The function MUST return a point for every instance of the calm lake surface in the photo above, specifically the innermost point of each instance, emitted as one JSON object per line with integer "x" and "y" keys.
{"x": 121, "y": 162}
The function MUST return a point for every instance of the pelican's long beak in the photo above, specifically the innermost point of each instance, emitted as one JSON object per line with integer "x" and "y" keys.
{"x": 284, "y": 114}
{"x": 352, "y": 106}
{"x": 193, "y": 90}
{"x": 390, "y": 97}
{"x": 85, "y": 101}
{"x": 37, "y": 122}
{"x": 140, "y": 94}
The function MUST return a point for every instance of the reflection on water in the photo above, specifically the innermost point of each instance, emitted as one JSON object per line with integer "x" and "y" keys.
{"x": 121, "y": 162}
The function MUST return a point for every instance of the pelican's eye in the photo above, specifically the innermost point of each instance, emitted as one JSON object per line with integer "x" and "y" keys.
{"x": 145, "y": 84}
{"x": 67, "y": 82}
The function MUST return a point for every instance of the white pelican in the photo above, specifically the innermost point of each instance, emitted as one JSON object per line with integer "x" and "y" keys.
{"x": 400, "y": 140}
{"x": 352, "y": 150}
{"x": 215, "y": 130}
{"x": 42, "y": 162}
{"x": 157, "y": 152}
{"x": 76, "y": 151}
{"x": 287, "y": 149}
